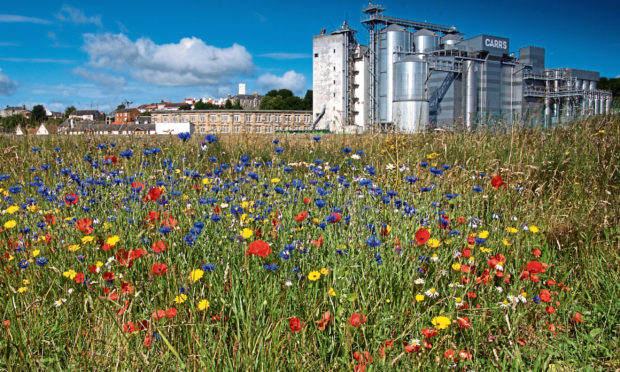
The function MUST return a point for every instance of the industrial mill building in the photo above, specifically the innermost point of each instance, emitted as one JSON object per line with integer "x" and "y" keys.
{"x": 416, "y": 75}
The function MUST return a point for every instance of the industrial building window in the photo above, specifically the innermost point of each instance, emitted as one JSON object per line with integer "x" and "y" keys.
{"x": 316, "y": 54}
{"x": 202, "y": 118}
{"x": 184, "y": 118}
{"x": 193, "y": 118}
{"x": 268, "y": 118}
{"x": 224, "y": 130}
{"x": 248, "y": 118}
{"x": 224, "y": 118}
{"x": 258, "y": 117}
{"x": 203, "y": 130}
{"x": 267, "y": 129}
{"x": 297, "y": 119}
{"x": 236, "y": 118}
{"x": 165, "y": 119}
{"x": 278, "y": 118}
{"x": 236, "y": 129}
{"x": 213, "y": 118}
{"x": 287, "y": 118}
{"x": 307, "y": 119}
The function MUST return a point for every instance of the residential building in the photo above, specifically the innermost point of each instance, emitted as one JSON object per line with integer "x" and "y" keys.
{"x": 143, "y": 120}
{"x": 92, "y": 115}
{"x": 126, "y": 116}
{"x": 14, "y": 110}
{"x": 238, "y": 121}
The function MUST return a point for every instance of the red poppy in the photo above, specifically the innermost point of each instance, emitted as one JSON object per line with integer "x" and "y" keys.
{"x": 294, "y": 324}
{"x": 356, "y": 320}
{"x": 306, "y": 200}
{"x": 422, "y": 236}
{"x": 148, "y": 340}
{"x": 461, "y": 220}
{"x": 535, "y": 267}
{"x": 217, "y": 209}
{"x": 497, "y": 182}
{"x": 159, "y": 268}
{"x": 464, "y": 354}
{"x": 412, "y": 348}
{"x": 71, "y": 199}
{"x": 110, "y": 158}
{"x": 536, "y": 252}
{"x": 50, "y": 219}
{"x": 549, "y": 310}
{"x": 335, "y": 217}
{"x": 545, "y": 295}
{"x": 449, "y": 354}
{"x": 428, "y": 332}
{"x": 153, "y": 216}
{"x": 158, "y": 314}
{"x": 327, "y": 316}
{"x": 463, "y": 322}
{"x": 578, "y": 318}
{"x": 159, "y": 246}
{"x": 85, "y": 226}
{"x": 127, "y": 288}
{"x": 79, "y": 278}
{"x": 154, "y": 194}
{"x": 466, "y": 252}
{"x": 318, "y": 242}
{"x": 171, "y": 313}
{"x": 93, "y": 269}
{"x": 6, "y": 323}
{"x": 108, "y": 275}
{"x": 122, "y": 310}
{"x": 363, "y": 358}
{"x": 259, "y": 248}
{"x": 301, "y": 216}
{"x": 138, "y": 186}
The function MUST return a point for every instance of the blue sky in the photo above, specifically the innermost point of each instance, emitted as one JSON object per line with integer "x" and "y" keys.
{"x": 99, "y": 53}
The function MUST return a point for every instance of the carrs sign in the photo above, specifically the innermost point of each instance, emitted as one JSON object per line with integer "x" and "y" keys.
{"x": 496, "y": 43}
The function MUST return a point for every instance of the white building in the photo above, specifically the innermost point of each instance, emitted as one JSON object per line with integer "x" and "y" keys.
{"x": 340, "y": 75}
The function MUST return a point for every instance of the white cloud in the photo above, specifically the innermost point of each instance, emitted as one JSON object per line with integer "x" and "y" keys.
{"x": 101, "y": 78}
{"x": 190, "y": 62}
{"x": 285, "y": 55}
{"x": 13, "y": 18}
{"x": 73, "y": 15}
{"x": 7, "y": 87}
{"x": 290, "y": 80}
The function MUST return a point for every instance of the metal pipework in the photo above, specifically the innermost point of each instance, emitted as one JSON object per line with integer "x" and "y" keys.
{"x": 469, "y": 71}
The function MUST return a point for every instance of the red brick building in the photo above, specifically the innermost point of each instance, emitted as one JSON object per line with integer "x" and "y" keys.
{"x": 126, "y": 116}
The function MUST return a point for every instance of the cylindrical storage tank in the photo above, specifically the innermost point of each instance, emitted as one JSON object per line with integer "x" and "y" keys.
{"x": 410, "y": 107}
{"x": 585, "y": 85}
{"x": 398, "y": 42}
{"x": 597, "y": 105}
{"x": 592, "y": 85}
{"x": 449, "y": 41}
{"x": 469, "y": 72}
{"x": 608, "y": 105}
{"x": 425, "y": 41}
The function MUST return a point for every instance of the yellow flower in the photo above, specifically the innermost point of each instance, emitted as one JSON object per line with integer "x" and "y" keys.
{"x": 12, "y": 209}
{"x": 485, "y": 250}
{"x": 484, "y": 234}
{"x": 180, "y": 298}
{"x": 32, "y": 208}
{"x": 331, "y": 292}
{"x": 22, "y": 289}
{"x": 324, "y": 271}
{"x": 73, "y": 247}
{"x": 511, "y": 230}
{"x": 25, "y": 282}
{"x": 99, "y": 264}
{"x": 246, "y": 233}
{"x": 419, "y": 297}
{"x": 206, "y": 181}
{"x": 245, "y": 204}
{"x": 441, "y": 322}
{"x": 203, "y": 305}
{"x": 275, "y": 180}
{"x": 314, "y": 276}
{"x": 87, "y": 239}
{"x": 432, "y": 156}
{"x": 195, "y": 275}
{"x": 456, "y": 267}
{"x": 433, "y": 243}
{"x": 113, "y": 240}
{"x": 506, "y": 242}
{"x": 10, "y": 224}
{"x": 35, "y": 253}
{"x": 69, "y": 274}
{"x": 534, "y": 229}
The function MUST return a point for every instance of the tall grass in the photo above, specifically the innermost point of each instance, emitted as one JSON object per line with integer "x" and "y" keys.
{"x": 563, "y": 180}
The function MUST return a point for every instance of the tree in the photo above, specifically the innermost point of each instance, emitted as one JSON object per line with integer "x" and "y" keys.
{"x": 228, "y": 105}
{"x": 10, "y": 122}
{"x": 308, "y": 100}
{"x": 38, "y": 114}
{"x": 69, "y": 110}
{"x": 284, "y": 99}
{"x": 237, "y": 105}
{"x": 185, "y": 106}
{"x": 146, "y": 113}
{"x": 120, "y": 107}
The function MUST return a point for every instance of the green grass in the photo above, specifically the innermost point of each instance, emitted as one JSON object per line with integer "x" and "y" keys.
{"x": 563, "y": 180}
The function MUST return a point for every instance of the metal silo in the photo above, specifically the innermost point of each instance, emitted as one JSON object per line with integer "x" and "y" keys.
{"x": 425, "y": 41}
{"x": 471, "y": 102}
{"x": 449, "y": 41}
{"x": 410, "y": 106}
{"x": 395, "y": 43}
{"x": 597, "y": 105}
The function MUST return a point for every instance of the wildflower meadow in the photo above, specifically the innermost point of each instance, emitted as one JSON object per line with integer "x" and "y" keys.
{"x": 491, "y": 250}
